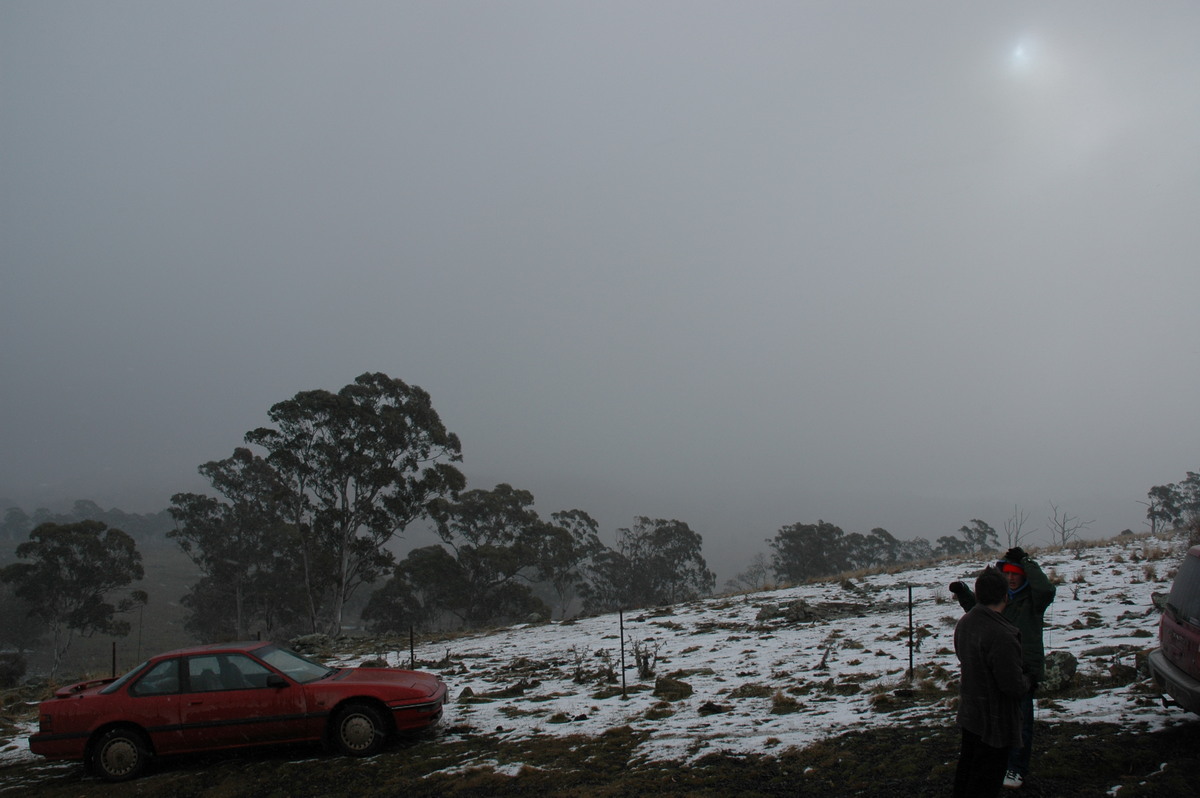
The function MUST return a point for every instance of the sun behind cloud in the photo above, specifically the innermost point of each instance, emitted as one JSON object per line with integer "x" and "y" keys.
{"x": 1021, "y": 59}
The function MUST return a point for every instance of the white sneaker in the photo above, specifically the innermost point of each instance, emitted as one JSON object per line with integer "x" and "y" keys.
{"x": 1013, "y": 780}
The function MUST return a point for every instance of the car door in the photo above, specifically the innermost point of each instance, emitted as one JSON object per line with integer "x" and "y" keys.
{"x": 153, "y": 703}
{"x": 231, "y": 701}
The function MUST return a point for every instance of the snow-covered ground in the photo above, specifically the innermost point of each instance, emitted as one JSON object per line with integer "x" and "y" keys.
{"x": 762, "y": 684}
{"x": 843, "y": 672}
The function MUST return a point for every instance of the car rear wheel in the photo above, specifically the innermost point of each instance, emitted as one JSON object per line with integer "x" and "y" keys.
{"x": 119, "y": 755}
{"x": 359, "y": 730}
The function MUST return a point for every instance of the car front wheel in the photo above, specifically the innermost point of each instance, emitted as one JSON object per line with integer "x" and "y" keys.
{"x": 119, "y": 755}
{"x": 359, "y": 730}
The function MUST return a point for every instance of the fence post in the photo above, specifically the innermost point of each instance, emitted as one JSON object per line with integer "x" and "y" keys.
{"x": 621, "y": 618}
{"x": 910, "y": 635}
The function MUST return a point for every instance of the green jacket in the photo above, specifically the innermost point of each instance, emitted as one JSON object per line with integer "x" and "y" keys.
{"x": 1025, "y": 610}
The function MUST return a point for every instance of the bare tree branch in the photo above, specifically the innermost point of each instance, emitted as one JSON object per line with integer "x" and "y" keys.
{"x": 1065, "y": 528}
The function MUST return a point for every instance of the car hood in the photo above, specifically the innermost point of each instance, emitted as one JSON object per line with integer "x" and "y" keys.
{"x": 409, "y": 684}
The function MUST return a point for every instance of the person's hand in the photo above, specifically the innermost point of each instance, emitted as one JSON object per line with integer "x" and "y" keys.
{"x": 1015, "y": 554}
{"x": 958, "y": 587}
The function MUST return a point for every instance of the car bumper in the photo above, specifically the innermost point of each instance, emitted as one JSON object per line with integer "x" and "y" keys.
{"x": 1174, "y": 682}
{"x": 418, "y": 715}
{"x": 58, "y": 746}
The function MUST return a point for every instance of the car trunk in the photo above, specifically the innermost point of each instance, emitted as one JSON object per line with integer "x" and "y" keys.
{"x": 1179, "y": 631}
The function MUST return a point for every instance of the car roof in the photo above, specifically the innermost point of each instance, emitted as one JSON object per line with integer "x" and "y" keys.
{"x": 215, "y": 648}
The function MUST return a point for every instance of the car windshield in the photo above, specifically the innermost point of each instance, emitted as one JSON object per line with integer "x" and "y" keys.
{"x": 114, "y": 686}
{"x": 295, "y": 666}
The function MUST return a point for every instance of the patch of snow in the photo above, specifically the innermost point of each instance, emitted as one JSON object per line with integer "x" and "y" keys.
{"x": 17, "y": 748}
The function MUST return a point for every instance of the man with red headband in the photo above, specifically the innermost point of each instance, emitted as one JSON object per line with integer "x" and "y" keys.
{"x": 1029, "y": 594}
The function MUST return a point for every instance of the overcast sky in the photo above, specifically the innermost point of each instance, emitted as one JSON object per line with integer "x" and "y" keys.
{"x": 738, "y": 264}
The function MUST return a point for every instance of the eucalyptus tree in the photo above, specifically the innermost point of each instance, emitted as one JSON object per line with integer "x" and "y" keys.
{"x": 1163, "y": 507}
{"x": 804, "y": 551}
{"x": 656, "y": 561}
{"x": 495, "y": 537}
{"x": 238, "y": 542}
{"x": 494, "y": 549}
{"x": 421, "y": 591}
{"x": 1176, "y": 504}
{"x": 72, "y": 579}
{"x": 564, "y": 550}
{"x": 980, "y": 536}
{"x": 357, "y": 467}
{"x": 668, "y": 564}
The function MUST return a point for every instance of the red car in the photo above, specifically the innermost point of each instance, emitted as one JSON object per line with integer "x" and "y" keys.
{"x": 230, "y": 696}
{"x": 1175, "y": 664}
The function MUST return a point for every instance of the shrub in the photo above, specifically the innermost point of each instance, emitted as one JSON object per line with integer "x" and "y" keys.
{"x": 783, "y": 704}
{"x": 12, "y": 669}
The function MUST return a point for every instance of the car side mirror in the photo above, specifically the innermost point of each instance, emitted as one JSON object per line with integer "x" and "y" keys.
{"x": 275, "y": 680}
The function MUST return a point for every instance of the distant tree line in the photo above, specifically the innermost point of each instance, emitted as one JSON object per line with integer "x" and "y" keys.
{"x": 144, "y": 528}
{"x": 801, "y": 552}
{"x": 296, "y": 526}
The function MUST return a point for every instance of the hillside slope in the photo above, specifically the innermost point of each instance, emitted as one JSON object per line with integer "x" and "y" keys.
{"x": 749, "y": 687}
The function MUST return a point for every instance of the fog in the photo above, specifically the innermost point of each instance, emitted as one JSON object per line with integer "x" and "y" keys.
{"x": 884, "y": 264}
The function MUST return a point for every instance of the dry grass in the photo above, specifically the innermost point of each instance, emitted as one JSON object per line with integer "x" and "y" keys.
{"x": 1082, "y": 760}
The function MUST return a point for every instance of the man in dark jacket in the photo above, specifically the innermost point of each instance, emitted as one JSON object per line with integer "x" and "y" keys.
{"x": 1029, "y": 594}
{"x": 990, "y": 689}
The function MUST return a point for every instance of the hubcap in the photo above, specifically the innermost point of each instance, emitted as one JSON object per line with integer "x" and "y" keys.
{"x": 358, "y": 732}
{"x": 119, "y": 757}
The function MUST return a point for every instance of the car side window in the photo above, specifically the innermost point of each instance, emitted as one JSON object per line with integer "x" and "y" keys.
{"x": 202, "y": 674}
{"x": 162, "y": 679}
{"x": 212, "y": 672}
{"x": 243, "y": 671}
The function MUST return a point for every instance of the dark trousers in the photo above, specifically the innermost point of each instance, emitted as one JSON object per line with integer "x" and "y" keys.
{"x": 980, "y": 771}
{"x": 1018, "y": 759}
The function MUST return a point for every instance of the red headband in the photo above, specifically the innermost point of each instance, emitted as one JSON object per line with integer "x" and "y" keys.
{"x": 1011, "y": 568}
